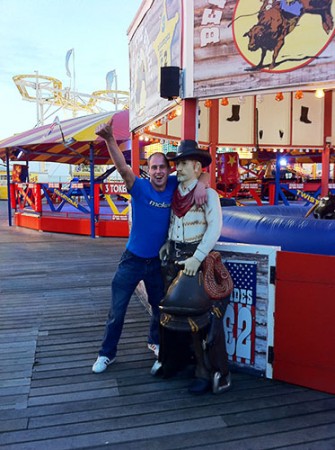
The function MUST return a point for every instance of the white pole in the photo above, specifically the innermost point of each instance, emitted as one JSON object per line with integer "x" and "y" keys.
{"x": 39, "y": 113}
{"x": 37, "y": 99}
{"x": 116, "y": 99}
{"x": 74, "y": 86}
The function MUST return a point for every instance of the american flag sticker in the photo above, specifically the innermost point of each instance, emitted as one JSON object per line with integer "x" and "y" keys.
{"x": 244, "y": 275}
{"x": 239, "y": 320}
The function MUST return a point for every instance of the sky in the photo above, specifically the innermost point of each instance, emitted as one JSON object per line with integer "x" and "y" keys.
{"x": 35, "y": 36}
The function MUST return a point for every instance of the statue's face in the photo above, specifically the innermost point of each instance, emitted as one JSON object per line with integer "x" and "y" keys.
{"x": 186, "y": 170}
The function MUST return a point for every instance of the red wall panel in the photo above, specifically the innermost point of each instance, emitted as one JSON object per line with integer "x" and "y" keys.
{"x": 304, "y": 334}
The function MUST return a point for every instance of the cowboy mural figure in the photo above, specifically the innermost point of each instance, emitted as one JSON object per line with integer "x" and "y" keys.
{"x": 192, "y": 337}
{"x": 292, "y": 7}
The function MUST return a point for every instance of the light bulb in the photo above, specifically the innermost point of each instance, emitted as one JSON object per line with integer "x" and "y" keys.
{"x": 319, "y": 93}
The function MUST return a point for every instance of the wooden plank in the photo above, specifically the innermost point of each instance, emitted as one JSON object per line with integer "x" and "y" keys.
{"x": 235, "y": 413}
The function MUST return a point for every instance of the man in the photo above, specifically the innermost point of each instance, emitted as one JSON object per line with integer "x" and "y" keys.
{"x": 193, "y": 233}
{"x": 151, "y": 202}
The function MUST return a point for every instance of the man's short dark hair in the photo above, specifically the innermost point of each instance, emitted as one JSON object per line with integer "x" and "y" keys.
{"x": 158, "y": 153}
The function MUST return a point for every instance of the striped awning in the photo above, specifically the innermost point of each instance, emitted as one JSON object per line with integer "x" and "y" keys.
{"x": 67, "y": 141}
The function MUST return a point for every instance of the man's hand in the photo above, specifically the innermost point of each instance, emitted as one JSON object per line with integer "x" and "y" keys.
{"x": 164, "y": 251}
{"x": 105, "y": 130}
{"x": 200, "y": 194}
{"x": 191, "y": 266}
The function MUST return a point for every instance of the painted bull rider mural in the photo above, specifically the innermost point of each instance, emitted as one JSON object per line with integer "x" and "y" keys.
{"x": 277, "y": 19}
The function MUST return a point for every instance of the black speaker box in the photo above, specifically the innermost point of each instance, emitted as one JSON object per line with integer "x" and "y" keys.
{"x": 169, "y": 82}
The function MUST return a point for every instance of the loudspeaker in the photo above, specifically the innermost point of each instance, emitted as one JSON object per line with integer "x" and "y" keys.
{"x": 169, "y": 87}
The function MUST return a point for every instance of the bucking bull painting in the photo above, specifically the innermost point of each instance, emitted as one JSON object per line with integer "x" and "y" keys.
{"x": 278, "y": 18}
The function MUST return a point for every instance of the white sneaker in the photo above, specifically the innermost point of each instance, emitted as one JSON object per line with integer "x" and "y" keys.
{"x": 154, "y": 348}
{"x": 101, "y": 364}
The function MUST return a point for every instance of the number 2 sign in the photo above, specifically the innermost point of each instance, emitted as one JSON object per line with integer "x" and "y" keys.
{"x": 239, "y": 320}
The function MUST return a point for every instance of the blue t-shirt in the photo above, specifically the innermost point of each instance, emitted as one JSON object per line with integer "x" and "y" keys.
{"x": 150, "y": 217}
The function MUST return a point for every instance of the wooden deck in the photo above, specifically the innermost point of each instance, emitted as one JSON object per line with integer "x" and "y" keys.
{"x": 54, "y": 298}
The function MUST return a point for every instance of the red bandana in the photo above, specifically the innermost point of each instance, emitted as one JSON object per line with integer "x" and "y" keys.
{"x": 182, "y": 203}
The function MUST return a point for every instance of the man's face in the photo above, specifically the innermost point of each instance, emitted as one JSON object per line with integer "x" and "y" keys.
{"x": 158, "y": 172}
{"x": 186, "y": 171}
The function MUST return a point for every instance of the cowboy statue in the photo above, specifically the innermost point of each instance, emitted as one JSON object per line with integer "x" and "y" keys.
{"x": 191, "y": 332}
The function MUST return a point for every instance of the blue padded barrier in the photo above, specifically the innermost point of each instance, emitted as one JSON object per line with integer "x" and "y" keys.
{"x": 284, "y": 226}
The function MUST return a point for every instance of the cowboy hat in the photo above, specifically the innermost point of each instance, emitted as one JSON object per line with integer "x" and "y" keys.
{"x": 188, "y": 149}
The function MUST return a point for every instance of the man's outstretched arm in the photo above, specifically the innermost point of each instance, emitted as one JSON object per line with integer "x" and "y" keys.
{"x": 105, "y": 131}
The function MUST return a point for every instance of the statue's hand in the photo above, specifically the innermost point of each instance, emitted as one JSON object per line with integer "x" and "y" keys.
{"x": 191, "y": 264}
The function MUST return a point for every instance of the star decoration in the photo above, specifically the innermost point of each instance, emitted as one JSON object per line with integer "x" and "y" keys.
{"x": 232, "y": 160}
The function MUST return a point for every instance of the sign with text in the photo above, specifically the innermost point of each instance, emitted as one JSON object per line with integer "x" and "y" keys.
{"x": 120, "y": 209}
{"x": 154, "y": 44}
{"x": 241, "y": 45}
{"x": 249, "y": 318}
{"x": 115, "y": 188}
{"x": 239, "y": 320}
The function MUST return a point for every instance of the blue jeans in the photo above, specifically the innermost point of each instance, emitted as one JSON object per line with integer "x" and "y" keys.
{"x": 132, "y": 269}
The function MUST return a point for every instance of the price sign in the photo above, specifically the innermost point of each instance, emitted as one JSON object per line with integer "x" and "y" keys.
{"x": 295, "y": 186}
{"x": 239, "y": 320}
{"x": 249, "y": 186}
{"x": 119, "y": 217}
{"x": 116, "y": 188}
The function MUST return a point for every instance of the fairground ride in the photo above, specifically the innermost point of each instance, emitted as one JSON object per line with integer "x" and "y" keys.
{"x": 50, "y": 97}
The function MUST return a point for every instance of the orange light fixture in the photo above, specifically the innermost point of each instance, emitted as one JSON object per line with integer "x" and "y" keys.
{"x": 279, "y": 97}
{"x": 208, "y": 103}
{"x": 225, "y": 101}
{"x": 299, "y": 95}
{"x": 172, "y": 115}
